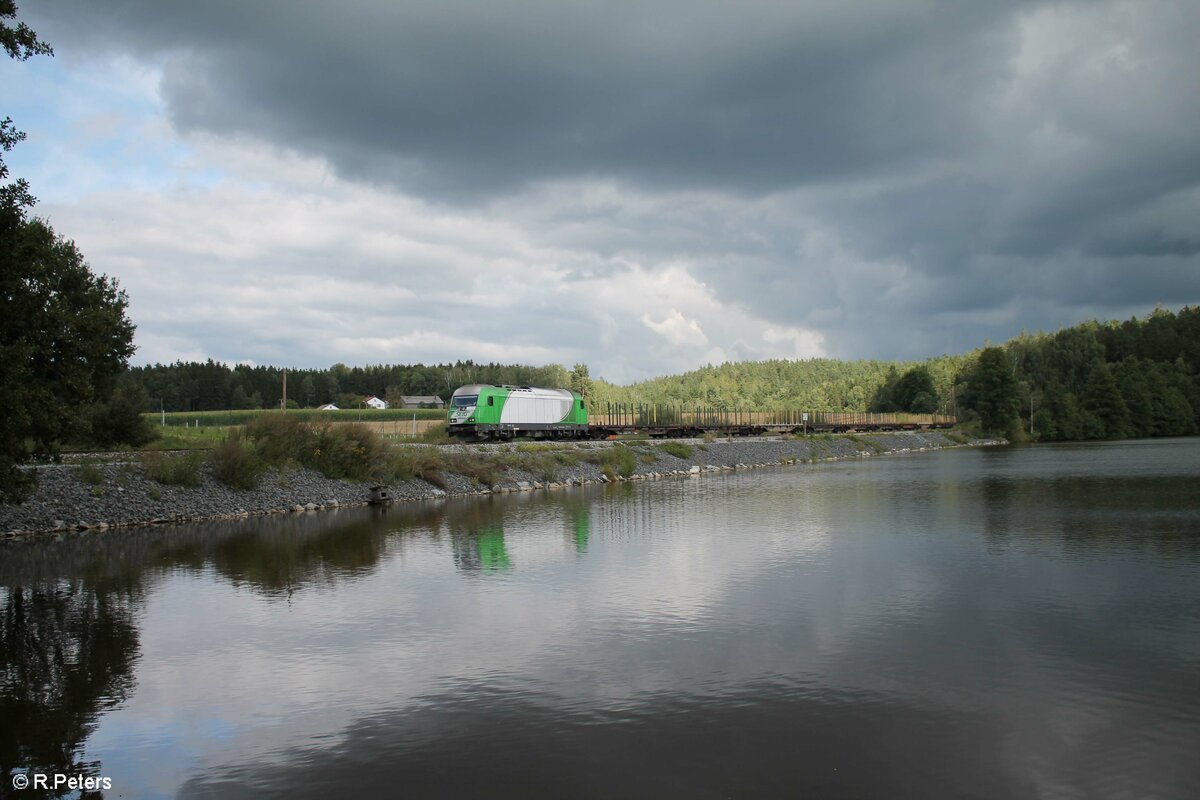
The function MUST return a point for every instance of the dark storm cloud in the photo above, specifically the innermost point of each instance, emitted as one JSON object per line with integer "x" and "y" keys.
{"x": 459, "y": 99}
{"x": 905, "y": 177}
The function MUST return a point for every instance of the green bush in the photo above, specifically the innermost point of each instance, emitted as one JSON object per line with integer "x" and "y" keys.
{"x": 351, "y": 451}
{"x": 280, "y": 438}
{"x": 235, "y": 463}
{"x": 91, "y": 475}
{"x": 120, "y": 420}
{"x": 181, "y": 470}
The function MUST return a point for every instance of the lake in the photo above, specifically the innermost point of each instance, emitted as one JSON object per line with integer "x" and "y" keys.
{"x": 1010, "y": 622}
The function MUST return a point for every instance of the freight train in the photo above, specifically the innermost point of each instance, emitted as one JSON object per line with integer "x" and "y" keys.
{"x": 481, "y": 412}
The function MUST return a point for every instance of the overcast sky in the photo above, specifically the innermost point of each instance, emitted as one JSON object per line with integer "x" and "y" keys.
{"x": 644, "y": 187}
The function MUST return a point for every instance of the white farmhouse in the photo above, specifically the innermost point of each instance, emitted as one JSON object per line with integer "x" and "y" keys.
{"x": 375, "y": 402}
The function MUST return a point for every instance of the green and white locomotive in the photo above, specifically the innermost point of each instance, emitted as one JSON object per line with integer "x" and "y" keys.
{"x": 482, "y": 411}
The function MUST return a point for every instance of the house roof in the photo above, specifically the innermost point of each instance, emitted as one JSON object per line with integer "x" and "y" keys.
{"x": 425, "y": 398}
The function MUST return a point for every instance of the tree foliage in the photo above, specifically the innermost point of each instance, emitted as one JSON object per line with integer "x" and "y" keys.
{"x": 66, "y": 339}
{"x": 581, "y": 381}
{"x": 19, "y": 41}
{"x": 912, "y": 392}
{"x": 818, "y": 384}
{"x": 994, "y": 391}
{"x": 1108, "y": 380}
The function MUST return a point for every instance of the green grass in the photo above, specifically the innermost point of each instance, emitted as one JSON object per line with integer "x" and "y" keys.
{"x": 613, "y": 461}
{"x": 436, "y": 436}
{"x": 539, "y": 447}
{"x": 677, "y": 449}
{"x": 180, "y": 438}
{"x": 869, "y": 444}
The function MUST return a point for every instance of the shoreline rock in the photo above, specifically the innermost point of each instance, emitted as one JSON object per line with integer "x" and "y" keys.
{"x": 118, "y": 495}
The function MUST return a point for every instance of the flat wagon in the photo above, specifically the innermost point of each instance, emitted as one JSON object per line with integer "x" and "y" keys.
{"x": 481, "y": 411}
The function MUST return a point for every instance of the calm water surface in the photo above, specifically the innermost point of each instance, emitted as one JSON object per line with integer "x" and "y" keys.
{"x": 995, "y": 623}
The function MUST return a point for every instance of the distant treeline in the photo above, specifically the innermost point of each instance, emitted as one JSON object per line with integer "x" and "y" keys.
{"x": 1094, "y": 380}
{"x": 213, "y": 386}
{"x": 818, "y": 384}
{"x": 1099, "y": 380}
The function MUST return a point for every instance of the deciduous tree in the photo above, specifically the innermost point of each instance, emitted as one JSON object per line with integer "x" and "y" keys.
{"x": 64, "y": 340}
{"x": 995, "y": 391}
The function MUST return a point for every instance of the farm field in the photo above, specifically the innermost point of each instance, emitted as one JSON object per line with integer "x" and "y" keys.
{"x": 210, "y": 418}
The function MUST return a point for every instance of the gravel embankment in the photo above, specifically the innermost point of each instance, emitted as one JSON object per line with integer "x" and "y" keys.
{"x": 120, "y": 494}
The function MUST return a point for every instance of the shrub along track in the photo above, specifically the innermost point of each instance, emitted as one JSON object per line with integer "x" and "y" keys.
{"x": 99, "y": 496}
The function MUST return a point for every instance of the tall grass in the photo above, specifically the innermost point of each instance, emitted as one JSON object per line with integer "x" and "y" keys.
{"x": 677, "y": 449}
{"x": 235, "y": 463}
{"x": 613, "y": 461}
{"x": 91, "y": 474}
{"x": 180, "y": 470}
{"x": 345, "y": 450}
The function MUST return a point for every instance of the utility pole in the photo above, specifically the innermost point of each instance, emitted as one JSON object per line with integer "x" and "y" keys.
{"x": 283, "y": 402}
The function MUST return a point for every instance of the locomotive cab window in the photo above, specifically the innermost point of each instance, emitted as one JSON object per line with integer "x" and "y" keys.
{"x": 491, "y": 400}
{"x": 464, "y": 400}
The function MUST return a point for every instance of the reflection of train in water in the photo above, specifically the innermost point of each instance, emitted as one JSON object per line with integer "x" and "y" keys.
{"x": 482, "y": 411}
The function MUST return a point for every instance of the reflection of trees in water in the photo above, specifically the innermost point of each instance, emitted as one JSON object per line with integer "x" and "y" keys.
{"x": 279, "y": 557}
{"x": 270, "y": 554}
{"x": 68, "y": 630}
{"x": 67, "y": 649}
{"x": 1081, "y": 511}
